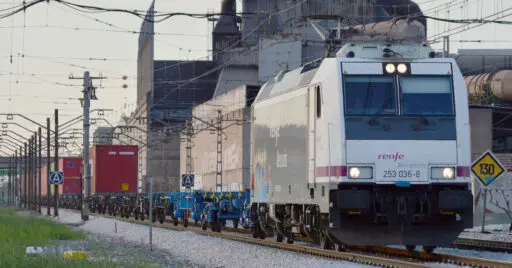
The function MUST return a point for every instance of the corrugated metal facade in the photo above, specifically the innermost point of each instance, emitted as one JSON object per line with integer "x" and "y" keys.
{"x": 235, "y": 109}
{"x": 178, "y": 86}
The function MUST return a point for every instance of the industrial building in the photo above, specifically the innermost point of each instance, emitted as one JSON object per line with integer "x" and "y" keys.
{"x": 217, "y": 148}
{"x": 103, "y": 135}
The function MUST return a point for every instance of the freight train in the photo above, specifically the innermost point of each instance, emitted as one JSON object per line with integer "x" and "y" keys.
{"x": 371, "y": 147}
{"x": 491, "y": 88}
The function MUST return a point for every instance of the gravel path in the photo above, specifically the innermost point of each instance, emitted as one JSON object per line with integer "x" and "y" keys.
{"x": 175, "y": 248}
{"x": 129, "y": 254}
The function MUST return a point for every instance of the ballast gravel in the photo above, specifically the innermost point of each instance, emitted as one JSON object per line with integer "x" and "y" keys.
{"x": 176, "y": 248}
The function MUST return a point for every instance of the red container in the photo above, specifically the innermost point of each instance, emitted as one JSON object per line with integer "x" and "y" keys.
{"x": 71, "y": 166}
{"x": 114, "y": 168}
{"x": 44, "y": 179}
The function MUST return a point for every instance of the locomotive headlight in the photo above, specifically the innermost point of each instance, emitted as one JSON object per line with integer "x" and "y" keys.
{"x": 402, "y": 68}
{"x": 355, "y": 172}
{"x": 390, "y": 68}
{"x": 360, "y": 172}
{"x": 448, "y": 173}
{"x": 443, "y": 173}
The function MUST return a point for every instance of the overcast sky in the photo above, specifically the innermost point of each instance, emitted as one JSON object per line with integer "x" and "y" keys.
{"x": 56, "y": 39}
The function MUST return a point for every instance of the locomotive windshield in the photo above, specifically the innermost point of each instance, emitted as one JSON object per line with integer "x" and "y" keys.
{"x": 378, "y": 95}
{"x": 427, "y": 95}
{"x": 370, "y": 95}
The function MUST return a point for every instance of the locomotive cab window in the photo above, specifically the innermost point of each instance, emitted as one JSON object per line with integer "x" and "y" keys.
{"x": 427, "y": 96}
{"x": 318, "y": 102}
{"x": 370, "y": 95}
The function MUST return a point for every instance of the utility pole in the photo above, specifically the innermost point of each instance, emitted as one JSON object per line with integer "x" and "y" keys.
{"x": 29, "y": 173}
{"x": 9, "y": 173}
{"x": 34, "y": 169}
{"x": 56, "y": 165}
{"x": 446, "y": 46}
{"x": 15, "y": 189}
{"x": 20, "y": 179}
{"x": 32, "y": 179}
{"x": 219, "y": 150}
{"x": 89, "y": 93}
{"x": 48, "y": 147}
{"x": 32, "y": 173}
{"x": 39, "y": 164}
{"x": 190, "y": 132}
{"x": 86, "y": 177}
{"x": 17, "y": 185}
{"x": 25, "y": 190}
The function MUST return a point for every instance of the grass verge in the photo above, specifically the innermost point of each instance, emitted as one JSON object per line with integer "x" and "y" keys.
{"x": 18, "y": 232}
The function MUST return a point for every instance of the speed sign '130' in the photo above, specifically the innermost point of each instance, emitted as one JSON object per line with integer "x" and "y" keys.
{"x": 487, "y": 168}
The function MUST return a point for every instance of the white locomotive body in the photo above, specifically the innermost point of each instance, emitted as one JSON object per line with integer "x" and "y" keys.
{"x": 369, "y": 148}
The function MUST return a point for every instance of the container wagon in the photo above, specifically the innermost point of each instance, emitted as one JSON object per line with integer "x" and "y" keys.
{"x": 114, "y": 168}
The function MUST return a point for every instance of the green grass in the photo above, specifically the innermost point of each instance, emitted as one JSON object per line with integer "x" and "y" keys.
{"x": 18, "y": 232}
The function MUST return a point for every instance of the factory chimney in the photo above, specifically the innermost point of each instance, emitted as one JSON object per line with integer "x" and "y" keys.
{"x": 225, "y": 32}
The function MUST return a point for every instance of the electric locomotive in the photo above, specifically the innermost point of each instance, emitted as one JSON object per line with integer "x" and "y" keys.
{"x": 371, "y": 147}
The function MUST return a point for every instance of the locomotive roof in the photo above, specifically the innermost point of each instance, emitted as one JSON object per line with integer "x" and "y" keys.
{"x": 288, "y": 81}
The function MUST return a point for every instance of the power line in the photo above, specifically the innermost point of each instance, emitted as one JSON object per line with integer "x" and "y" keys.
{"x": 77, "y": 28}
{"x": 450, "y": 33}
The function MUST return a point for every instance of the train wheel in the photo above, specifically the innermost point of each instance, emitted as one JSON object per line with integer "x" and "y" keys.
{"x": 255, "y": 232}
{"x": 324, "y": 241}
{"x": 290, "y": 239}
{"x": 262, "y": 234}
{"x": 428, "y": 249}
{"x": 339, "y": 247}
{"x": 410, "y": 247}
{"x": 278, "y": 237}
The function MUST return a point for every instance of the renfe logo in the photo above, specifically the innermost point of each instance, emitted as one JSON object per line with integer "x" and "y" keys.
{"x": 395, "y": 156}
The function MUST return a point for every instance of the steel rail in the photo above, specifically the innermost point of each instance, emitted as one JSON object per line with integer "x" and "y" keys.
{"x": 353, "y": 254}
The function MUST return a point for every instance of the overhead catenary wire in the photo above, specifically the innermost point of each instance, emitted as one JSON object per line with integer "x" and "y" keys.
{"x": 79, "y": 28}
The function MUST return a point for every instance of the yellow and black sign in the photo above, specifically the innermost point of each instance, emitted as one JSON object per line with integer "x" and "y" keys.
{"x": 487, "y": 169}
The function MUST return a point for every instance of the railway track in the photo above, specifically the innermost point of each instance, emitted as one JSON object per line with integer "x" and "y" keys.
{"x": 380, "y": 256}
{"x": 460, "y": 243}
{"x": 478, "y": 244}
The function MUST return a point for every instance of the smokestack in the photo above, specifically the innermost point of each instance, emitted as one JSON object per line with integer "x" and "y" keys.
{"x": 226, "y": 32}
{"x": 227, "y": 21}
